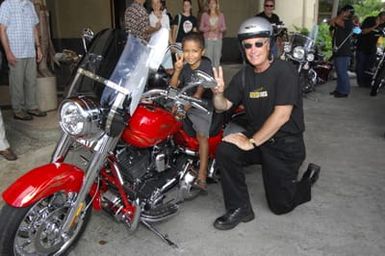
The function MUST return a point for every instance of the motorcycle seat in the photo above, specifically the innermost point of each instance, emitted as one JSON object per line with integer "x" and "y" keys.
{"x": 216, "y": 125}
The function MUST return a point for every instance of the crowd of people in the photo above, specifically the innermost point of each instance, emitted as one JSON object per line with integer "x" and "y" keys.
{"x": 348, "y": 47}
{"x": 271, "y": 133}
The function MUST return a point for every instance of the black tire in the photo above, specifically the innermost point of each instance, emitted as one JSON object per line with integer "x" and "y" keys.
{"x": 378, "y": 81}
{"x": 19, "y": 225}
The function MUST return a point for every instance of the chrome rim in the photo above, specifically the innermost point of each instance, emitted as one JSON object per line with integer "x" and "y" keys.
{"x": 40, "y": 233}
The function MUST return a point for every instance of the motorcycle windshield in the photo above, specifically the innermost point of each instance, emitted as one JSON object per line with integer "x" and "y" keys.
{"x": 125, "y": 68}
{"x": 302, "y": 40}
{"x": 131, "y": 71}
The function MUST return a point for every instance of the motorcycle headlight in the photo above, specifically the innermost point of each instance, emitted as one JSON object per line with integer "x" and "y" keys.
{"x": 310, "y": 57}
{"x": 299, "y": 52}
{"x": 80, "y": 117}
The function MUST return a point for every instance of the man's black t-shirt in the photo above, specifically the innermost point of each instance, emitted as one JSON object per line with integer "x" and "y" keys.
{"x": 339, "y": 36}
{"x": 185, "y": 76}
{"x": 261, "y": 92}
{"x": 274, "y": 19}
{"x": 367, "y": 43}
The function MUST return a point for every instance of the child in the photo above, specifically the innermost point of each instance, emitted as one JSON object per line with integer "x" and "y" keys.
{"x": 193, "y": 51}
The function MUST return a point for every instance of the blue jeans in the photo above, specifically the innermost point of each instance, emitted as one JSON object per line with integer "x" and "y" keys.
{"x": 364, "y": 62}
{"x": 341, "y": 63}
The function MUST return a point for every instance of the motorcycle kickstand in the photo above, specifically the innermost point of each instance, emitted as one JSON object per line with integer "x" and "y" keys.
{"x": 164, "y": 237}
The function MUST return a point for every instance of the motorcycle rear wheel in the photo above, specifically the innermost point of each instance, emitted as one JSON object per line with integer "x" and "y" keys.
{"x": 35, "y": 230}
{"x": 378, "y": 81}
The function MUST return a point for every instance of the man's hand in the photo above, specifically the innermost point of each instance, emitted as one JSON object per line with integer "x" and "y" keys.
{"x": 39, "y": 55}
{"x": 239, "y": 140}
{"x": 218, "y": 75}
{"x": 11, "y": 58}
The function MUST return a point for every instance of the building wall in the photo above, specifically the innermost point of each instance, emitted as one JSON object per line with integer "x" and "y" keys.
{"x": 69, "y": 17}
{"x": 297, "y": 13}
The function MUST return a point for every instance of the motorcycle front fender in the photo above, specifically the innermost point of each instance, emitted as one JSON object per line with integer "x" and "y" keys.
{"x": 42, "y": 182}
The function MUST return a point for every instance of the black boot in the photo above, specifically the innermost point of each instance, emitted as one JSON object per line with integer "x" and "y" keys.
{"x": 312, "y": 173}
{"x": 233, "y": 217}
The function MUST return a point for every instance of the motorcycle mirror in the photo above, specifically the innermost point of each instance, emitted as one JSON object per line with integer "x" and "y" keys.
{"x": 357, "y": 30}
{"x": 204, "y": 79}
{"x": 88, "y": 34}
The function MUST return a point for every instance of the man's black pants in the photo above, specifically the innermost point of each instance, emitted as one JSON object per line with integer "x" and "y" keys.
{"x": 280, "y": 159}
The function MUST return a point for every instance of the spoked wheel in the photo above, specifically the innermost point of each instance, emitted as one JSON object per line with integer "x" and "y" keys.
{"x": 378, "y": 81}
{"x": 36, "y": 230}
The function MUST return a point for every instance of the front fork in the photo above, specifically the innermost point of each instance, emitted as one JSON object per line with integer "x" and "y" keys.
{"x": 105, "y": 145}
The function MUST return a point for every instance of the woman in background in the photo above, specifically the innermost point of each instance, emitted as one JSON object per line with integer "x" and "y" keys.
{"x": 213, "y": 25}
{"x": 183, "y": 23}
{"x": 159, "y": 15}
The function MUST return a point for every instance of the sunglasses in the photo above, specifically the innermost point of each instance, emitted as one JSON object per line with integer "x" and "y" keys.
{"x": 257, "y": 44}
{"x": 269, "y": 5}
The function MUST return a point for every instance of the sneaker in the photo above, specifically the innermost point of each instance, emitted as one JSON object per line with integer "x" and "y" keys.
{"x": 22, "y": 115}
{"x": 8, "y": 154}
{"x": 37, "y": 112}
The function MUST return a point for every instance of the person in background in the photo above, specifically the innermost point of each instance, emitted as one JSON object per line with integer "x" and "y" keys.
{"x": 342, "y": 27}
{"x": 159, "y": 15}
{"x": 367, "y": 47}
{"x": 183, "y": 23}
{"x": 272, "y": 135}
{"x": 268, "y": 8}
{"x": 164, "y": 6}
{"x": 5, "y": 149}
{"x": 20, "y": 39}
{"x": 193, "y": 51}
{"x": 213, "y": 25}
{"x": 136, "y": 21}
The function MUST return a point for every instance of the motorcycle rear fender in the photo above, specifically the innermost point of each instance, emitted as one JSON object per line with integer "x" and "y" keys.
{"x": 42, "y": 182}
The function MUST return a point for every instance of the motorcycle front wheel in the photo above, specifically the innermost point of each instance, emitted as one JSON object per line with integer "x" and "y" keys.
{"x": 306, "y": 85}
{"x": 35, "y": 230}
{"x": 378, "y": 81}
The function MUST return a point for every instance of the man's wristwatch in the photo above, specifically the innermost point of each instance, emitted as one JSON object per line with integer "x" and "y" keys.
{"x": 252, "y": 141}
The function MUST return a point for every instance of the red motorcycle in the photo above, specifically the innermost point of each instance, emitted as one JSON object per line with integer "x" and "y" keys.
{"x": 121, "y": 150}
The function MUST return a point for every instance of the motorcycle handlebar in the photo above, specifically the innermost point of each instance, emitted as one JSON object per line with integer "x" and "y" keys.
{"x": 176, "y": 96}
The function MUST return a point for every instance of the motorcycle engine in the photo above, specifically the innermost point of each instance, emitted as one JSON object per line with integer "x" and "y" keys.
{"x": 147, "y": 170}
{"x": 133, "y": 162}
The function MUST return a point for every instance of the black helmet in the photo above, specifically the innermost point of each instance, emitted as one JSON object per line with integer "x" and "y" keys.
{"x": 255, "y": 27}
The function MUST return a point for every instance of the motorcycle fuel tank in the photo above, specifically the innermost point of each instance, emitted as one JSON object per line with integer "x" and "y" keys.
{"x": 149, "y": 125}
